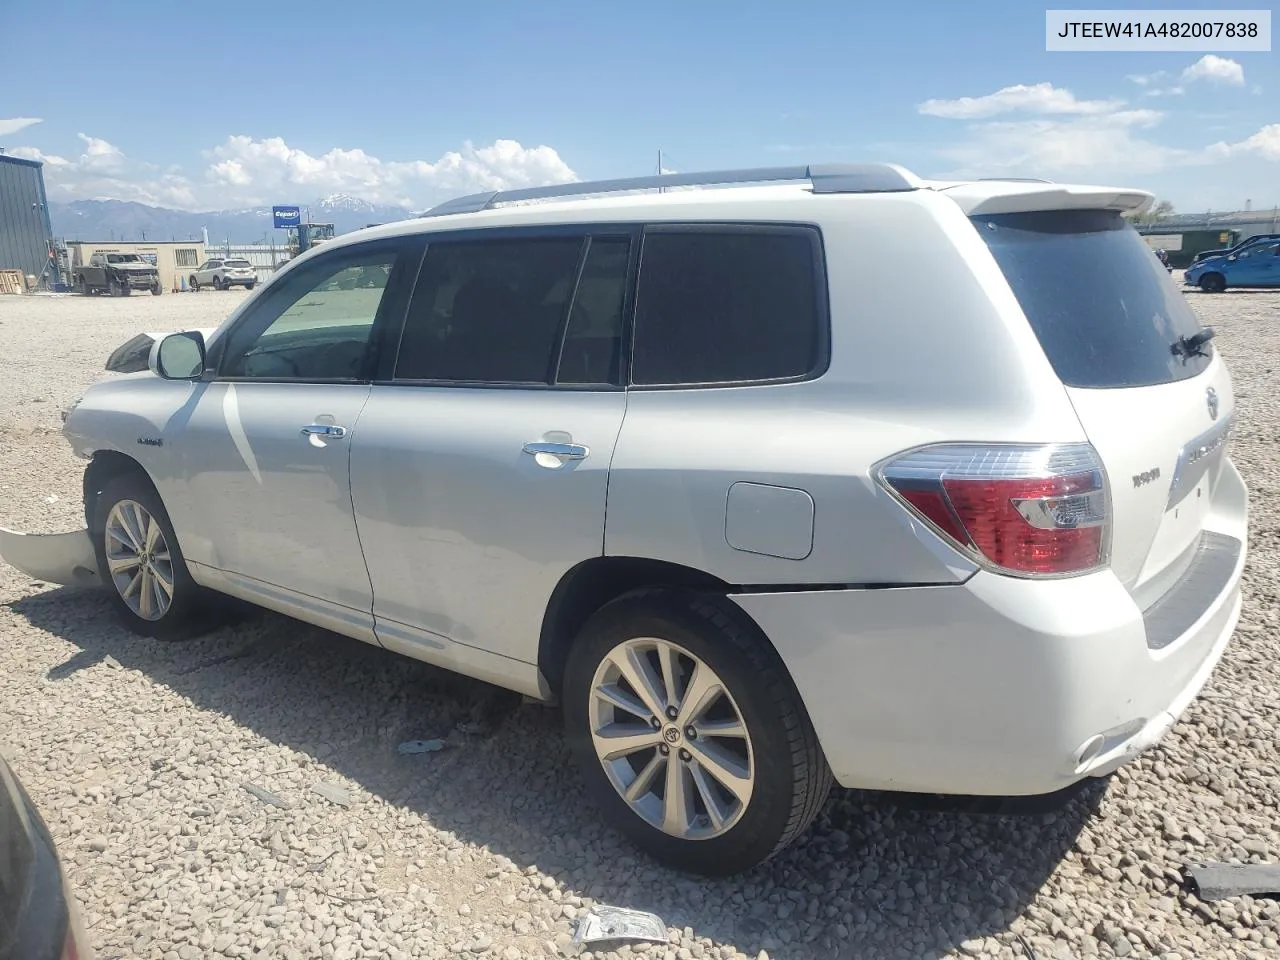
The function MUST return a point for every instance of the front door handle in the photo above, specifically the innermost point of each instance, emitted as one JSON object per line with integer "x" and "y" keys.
{"x": 328, "y": 430}
{"x": 563, "y": 451}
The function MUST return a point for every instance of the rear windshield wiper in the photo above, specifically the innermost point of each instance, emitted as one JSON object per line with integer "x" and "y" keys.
{"x": 1193, "y": 345}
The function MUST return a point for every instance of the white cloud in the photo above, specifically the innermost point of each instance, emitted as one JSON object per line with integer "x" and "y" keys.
{"x": 10, "y": 125}
{"x": 1210, "y": 68}
{"x": 1265, "y": 143}
{"x": 1215, "y": 70}
{"x": 1145, "y": 79}
{"x": 1106, "y": 145}
{"x": 243, "y": 171}
{"x": 258, "y": 171}
{"x": 1069, "y": 139}
{"x": 1020, "y": 98}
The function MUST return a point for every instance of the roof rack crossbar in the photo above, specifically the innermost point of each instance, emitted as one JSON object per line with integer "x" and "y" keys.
{"x": 825, "y": 178}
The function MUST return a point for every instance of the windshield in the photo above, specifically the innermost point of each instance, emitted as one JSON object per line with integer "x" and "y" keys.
{"x": 1103, "y": 308}
{"x": 238, "y": 263}
{"x": 122, "y": 258}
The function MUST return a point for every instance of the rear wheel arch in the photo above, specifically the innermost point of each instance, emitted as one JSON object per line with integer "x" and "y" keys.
{"x": 592, "y": 584}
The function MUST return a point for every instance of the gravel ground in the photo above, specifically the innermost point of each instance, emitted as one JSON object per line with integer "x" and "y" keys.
{"x": 137, "y": 753}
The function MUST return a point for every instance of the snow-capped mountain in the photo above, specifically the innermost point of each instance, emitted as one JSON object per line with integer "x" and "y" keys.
{"x": 124, "y": 220}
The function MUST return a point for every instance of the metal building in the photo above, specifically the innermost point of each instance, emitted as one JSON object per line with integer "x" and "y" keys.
{"x": 26, "y": 235}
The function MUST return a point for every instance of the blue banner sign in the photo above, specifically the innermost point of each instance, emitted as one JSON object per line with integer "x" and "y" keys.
{"x": 286, "y": 217}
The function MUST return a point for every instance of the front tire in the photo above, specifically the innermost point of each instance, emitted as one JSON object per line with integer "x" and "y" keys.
{"x": 689, "y": 732}
{"x": 156, "y": 289}
{"x": 195, "y": 284}
{"x": 1213, "y": 283}
{"x": 141, "y": 564}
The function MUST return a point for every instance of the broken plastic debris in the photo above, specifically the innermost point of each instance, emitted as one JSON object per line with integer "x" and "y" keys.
{"x": 51, "y": 498}
{"x": 1218, "y": 881}
{"x": 420, "y": 746}
{"x": 332, "y": 792}
{"x": 618, "y": 923}
{"x": 112, "y": 662}
{"x": 266, "y": 796}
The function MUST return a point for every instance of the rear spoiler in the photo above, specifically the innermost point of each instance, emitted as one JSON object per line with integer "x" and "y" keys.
{"x": 991, "y": 197}
{"x": 132, "y": 355}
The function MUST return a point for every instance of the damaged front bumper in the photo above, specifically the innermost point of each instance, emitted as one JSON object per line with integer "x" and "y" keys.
{"x": 66, "y": 559}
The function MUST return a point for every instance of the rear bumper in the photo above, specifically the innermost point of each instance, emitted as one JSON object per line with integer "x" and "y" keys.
{"x": 1005, "y": 687}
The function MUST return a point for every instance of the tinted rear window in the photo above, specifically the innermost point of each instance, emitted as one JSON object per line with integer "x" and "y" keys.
{"x": 1100, "y": 302}
{"x": 238, "y": 263}
{"x": 728, "y": 307}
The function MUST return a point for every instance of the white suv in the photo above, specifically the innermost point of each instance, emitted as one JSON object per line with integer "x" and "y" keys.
{"x": 224, "y": 274}
{"x": 826, "y": 472}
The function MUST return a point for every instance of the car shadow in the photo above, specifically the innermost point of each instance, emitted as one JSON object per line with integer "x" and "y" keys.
{"x": 875, "y": 875}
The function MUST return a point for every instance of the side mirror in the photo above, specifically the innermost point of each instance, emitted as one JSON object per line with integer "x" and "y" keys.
{"x": 179, "y": 356}
{"x": 1232, "y": 256}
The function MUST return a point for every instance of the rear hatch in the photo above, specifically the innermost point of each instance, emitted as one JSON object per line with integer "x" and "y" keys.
{"x": 1115, "y": 327}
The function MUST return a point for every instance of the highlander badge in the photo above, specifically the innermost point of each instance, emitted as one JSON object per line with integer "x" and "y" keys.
{"x": 1211, "y": 397}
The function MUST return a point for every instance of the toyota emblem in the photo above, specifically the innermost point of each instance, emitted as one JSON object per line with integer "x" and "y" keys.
{"x": 1211, "y": 398}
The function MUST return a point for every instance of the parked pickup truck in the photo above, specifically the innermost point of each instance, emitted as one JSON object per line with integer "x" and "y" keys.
{"x": 118, "y": 274}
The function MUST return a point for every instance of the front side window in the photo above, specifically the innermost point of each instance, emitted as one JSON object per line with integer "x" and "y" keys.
{"x": 731, "y": 306}
{"x": 592, "y": 350}
{"x": 489, "y": 311}
{"x": 315, "y": 324}
{"x": 1261, "y": 250}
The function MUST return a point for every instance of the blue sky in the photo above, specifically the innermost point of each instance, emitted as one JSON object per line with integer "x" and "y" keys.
{"x": 240, "y": 104}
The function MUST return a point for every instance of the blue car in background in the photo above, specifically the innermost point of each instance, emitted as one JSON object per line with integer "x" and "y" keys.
{"x": 1256, "y": 265}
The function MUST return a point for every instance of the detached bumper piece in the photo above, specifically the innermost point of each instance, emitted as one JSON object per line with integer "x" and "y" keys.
{"x": 66, "y": 559}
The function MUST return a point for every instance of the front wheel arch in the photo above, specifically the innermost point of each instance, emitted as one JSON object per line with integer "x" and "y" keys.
{"x": 1212, "y": 282}
{"x": 105, "y": 466}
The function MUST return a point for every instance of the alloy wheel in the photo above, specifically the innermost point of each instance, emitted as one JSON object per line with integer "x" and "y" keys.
{"x": 671, "y": 739}
{"x": 139, "y": 560}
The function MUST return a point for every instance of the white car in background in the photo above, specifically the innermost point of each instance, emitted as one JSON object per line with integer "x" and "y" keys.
{"x": 223, "y": 274}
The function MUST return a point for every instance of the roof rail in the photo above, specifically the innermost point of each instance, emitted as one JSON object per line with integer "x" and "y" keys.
{"x": 826, "y": 178}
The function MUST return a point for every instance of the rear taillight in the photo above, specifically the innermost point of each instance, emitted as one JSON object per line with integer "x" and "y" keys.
{"x": 1029, "y": 510}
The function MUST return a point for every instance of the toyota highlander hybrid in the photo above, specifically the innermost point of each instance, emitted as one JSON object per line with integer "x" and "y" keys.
{"x": 717, "y": 470}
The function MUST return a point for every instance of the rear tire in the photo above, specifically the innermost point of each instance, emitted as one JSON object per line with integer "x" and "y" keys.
{"x": 764, "y": 771}
{"x": 1213, "y": 283}
{"x": 84, "y": 287}
{"x": 141, "y": 564}
{"x": 219, "y": 283}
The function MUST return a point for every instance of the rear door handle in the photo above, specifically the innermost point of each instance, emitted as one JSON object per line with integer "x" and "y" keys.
{"x": 565, "y": 451}
{"x": 329, "y": 430}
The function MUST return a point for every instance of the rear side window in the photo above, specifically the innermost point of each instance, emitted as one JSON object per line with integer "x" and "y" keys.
{"x": 1101, "y": 305}
{"x": 729, "y": 306}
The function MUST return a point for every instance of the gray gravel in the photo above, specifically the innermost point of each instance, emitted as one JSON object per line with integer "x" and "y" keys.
{"x": 139, "y": 754}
